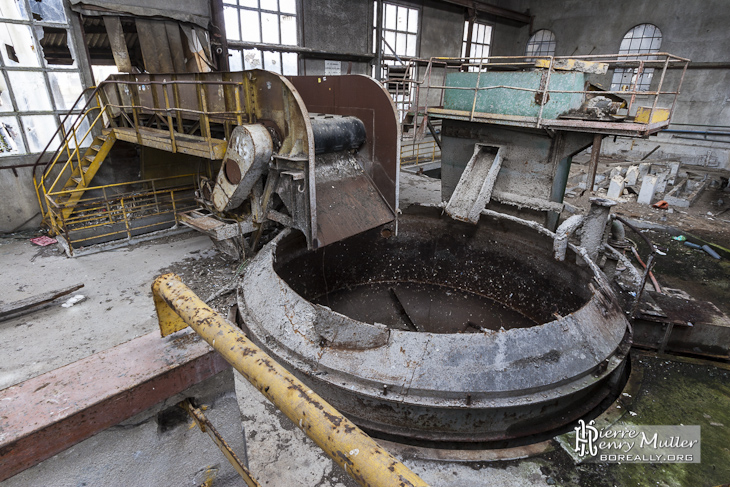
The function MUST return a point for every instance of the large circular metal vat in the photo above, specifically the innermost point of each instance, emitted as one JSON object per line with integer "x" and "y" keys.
{"x": 441, "y": 331}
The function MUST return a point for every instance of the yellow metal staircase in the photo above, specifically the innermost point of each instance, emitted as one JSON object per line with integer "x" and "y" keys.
{"x": 122, "y": 109}
{"x": 83, "y": 173}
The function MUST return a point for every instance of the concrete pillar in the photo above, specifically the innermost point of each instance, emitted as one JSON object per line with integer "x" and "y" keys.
{"x": 616, "y": 187}
{"x": 632, "y": 175}
{"x": 648, "y": 187}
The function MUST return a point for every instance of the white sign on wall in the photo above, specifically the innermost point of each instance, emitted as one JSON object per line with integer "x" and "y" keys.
{"x": 332, "y": 68}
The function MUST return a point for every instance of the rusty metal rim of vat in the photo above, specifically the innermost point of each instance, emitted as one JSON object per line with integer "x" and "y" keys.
{"x": 283, "y": 322}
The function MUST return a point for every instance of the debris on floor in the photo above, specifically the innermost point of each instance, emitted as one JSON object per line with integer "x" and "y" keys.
{"x": 43, "y": 240}
{"x": 667, "y": 182}
{"x": 73, "y": 300}
{"x": 34, "y": 303}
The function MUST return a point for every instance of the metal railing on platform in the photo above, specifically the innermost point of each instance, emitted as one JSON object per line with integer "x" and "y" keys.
{"x": 177, "y": 110}
{"x": 421, "y": 87}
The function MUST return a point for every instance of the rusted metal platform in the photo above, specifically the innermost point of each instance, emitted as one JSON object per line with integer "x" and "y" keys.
{"x": 47, "y": 414}
{"x": 193, "y": 145}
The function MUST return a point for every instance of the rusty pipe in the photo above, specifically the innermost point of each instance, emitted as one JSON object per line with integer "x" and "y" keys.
{"x": 654, "y": 282}
{"x": 353, "y": 450}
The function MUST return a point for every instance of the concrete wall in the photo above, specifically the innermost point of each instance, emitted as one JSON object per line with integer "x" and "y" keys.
{"x": 341, "y": 26}
{"x": 346, "y": 26}
{"x": 442, "y": 29}
{"x": 696, "y": 32}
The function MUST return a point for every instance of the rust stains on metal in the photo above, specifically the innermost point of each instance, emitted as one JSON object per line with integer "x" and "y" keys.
{"x": 351, "y": 448}
{"x": 207, "y": 427}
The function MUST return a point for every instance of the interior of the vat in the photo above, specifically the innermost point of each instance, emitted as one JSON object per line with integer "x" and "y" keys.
{"x": 438, "y": 275}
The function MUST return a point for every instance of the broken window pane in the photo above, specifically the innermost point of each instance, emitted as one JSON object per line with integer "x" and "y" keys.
{"x": 55, "y": 46}
{"x": 66, "y": 88}
{"x": 235, "y": 63}
{"x": 230, "y": 15}
{"x": 290, "y": 65}
{"x": 16, "y": 45}
{"x": 38, "y": 131}
{"x": 252, "y": 59}
{"x": 289, "y": 30}
{"x": 270, "y": 28}
{"x": 102, "y": 72}
{"x": 250, "y": 26}
{"x": 11, "y": 142}
{"x": 272, "y": 61}
{"x": 29, "y": 88}
{"x": 13, "y": 9}
{"x": 48, "y": 10}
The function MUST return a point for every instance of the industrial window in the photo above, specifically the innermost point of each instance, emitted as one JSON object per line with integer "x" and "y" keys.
{"x": 40, "y": 76}
{"x": 642, "y": 39}
{"x": 481, "y": 38}
{"x": 253, "y": 22}
{"x": 542, "y": 43}
{"x": 399, "y": 35}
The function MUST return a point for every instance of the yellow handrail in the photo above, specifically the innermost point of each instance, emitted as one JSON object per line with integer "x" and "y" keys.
{"x": 359, "y": 455}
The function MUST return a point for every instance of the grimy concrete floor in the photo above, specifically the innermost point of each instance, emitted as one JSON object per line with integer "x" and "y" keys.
{"x": 145, "y": 450}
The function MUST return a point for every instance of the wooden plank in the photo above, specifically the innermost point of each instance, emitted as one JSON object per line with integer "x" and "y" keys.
{"x": 52, "y": 412}
{"x": 24, "y": 305}
{"x": 118, "y": 44}
{"x": 198, "y": 62}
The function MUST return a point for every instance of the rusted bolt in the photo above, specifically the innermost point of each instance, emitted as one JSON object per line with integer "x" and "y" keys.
{"x": 386, "y": 233}
{"x": 468, "y": 399}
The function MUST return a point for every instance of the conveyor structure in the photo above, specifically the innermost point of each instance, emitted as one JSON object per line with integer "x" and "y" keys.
{"x": 318, "y": 154}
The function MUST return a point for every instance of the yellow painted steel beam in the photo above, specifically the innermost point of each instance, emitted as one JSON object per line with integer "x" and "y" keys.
{"x": 353, "y": 450}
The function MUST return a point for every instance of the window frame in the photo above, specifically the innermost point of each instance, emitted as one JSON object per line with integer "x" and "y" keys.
{"x": 643, "y": 82}
{"x": 382, "y": 47}
{"x": 471, "y": 43}
{"x": 22, "y": 117}
{"x": 540, "y": 52}
{"x": 268, "y": 59}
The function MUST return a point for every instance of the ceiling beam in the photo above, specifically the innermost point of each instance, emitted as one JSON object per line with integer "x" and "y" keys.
{"x": 483, "y": 7}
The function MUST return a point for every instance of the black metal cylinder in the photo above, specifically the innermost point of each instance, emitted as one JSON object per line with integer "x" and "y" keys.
{"x": 333, "y": 133}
